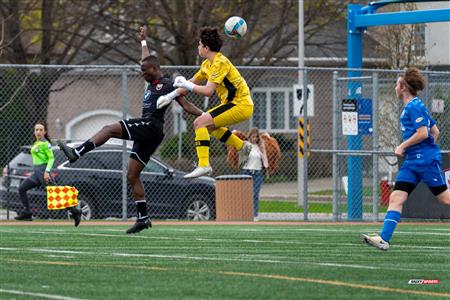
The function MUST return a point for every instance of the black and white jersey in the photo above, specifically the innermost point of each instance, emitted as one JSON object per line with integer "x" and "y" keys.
{"x": 154, "y": 90}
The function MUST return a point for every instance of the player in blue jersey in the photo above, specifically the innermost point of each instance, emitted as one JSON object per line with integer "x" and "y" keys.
{"x": 146, "y": 132}
{"x": 422, "y": 157}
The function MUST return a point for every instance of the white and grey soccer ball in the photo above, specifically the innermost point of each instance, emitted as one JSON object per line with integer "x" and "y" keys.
{"x": 235, "y": 27}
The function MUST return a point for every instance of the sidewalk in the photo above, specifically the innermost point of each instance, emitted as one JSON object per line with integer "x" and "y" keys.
{"x": 289, "y": 190}
{"x": 3, "y": 214}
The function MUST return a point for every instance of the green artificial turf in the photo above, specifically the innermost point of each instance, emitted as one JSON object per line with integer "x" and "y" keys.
{"x": 222, "y": 262}
{"x": 280, "y": 206}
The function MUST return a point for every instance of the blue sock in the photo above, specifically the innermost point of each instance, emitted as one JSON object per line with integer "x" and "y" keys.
{"x": 390, "y": 222}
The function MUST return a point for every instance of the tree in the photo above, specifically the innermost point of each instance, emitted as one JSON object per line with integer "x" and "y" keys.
{"x": 271, "y": 37}
{"x": 65, "y": 32}
{"x": 399, "y": 44}
{"x": 48, "y": 32}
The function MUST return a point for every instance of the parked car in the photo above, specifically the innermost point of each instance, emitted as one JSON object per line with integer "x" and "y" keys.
{"x": 100, "y": 177}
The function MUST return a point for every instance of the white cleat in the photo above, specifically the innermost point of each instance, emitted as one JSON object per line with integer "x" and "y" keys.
{"x": 244, "y": 153}
{"x": 375, "y": 241}
{"x": 199, "y": 171}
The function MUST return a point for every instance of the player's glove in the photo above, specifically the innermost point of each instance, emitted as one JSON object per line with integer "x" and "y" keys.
{"x": 166, "y": 99}
{"x": 181, "y": 82}
{"x": 163, "y": 101}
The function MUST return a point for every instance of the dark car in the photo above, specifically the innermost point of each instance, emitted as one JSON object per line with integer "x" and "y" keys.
{"x": 100, "y": 177}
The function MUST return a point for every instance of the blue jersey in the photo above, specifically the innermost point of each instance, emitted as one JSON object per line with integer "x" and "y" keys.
{"x": 414, "y": 116}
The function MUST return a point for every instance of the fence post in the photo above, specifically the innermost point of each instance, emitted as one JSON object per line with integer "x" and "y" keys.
{"x": 335, "y": 146}
{"x": 375, "y": 147}
{"x": 305, "y": 143}
{"x": 124, "y": 104}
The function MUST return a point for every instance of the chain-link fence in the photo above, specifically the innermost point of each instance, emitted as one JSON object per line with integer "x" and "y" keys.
{"x": 345, "y": 176}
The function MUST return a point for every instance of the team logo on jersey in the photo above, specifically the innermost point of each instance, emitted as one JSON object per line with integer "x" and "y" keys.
{"x": 419, "y": 119}
{"x": 159, "y": 86}
{"x": 147, "y": 94}
{"x": 214, "y": 75}
{"x": 36, "y": 149}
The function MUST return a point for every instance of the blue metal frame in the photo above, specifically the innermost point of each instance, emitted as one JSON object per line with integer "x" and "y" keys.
{"x": 358, "y": 19}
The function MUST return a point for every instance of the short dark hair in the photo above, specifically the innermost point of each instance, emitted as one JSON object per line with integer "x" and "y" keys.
{"x": 414, "y": 80}
{"x": 210, "y": 37}
{"x": 151, "y": 59}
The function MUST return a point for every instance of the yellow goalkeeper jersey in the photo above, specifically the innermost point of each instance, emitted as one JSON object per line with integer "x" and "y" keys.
{"x": 231, "y": 86}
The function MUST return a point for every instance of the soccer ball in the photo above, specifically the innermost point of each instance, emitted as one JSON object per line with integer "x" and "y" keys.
{"x": 235, "y": 27}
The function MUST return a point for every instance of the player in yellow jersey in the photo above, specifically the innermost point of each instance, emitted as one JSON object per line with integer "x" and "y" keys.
{"x": 236, "y": 103}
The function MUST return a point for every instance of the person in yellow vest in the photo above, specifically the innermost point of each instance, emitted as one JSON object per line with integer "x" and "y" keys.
{"x": 236, "y": 103}
{"x": 43, "y": 159}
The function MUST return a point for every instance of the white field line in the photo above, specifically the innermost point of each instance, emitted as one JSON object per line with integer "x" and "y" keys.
{"x": 202, "y": 258}
{"x": 60, "y": 256}
{"x": 358, "y": 230}
{"x": 281, "y": 277}
{"x": 295, "y": 230}
{"x": 165, "y": 229}
{"x": 356, "y": 244}
{"x": 40, "y": 295}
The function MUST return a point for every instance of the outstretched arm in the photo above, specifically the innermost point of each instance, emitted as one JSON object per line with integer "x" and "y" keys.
{"x": 189, "y": 107}
{"x": 205, "y": 90}
{"x": 142, "y": 36}
{"x": 182, "y": 91}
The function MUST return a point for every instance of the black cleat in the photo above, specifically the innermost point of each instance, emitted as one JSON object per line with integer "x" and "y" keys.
{"x": 69, "y": 152}
{"x": 24, "y": 217}
{"x": 140, "y": 225}
{"x": 76, "y": 215}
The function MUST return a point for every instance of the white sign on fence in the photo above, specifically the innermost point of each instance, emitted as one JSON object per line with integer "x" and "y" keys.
{"x": 349, "y": 117}
{"x": 298, "y": 100}
{"x": 437, "y": 106}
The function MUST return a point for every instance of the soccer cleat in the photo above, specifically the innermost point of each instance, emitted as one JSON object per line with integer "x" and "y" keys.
{"x": 25, "y": 216}
{"x": 375, "y": 241}
{"x": 140, "y": 225}
{"x": 199, "y": 171}
{"x": 69, "y": 152}
{"x": 244, "y": 154}
{"x": 76, "y": 215}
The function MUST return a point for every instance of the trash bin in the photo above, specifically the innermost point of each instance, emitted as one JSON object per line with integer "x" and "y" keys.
{"x": 234, "y": 198}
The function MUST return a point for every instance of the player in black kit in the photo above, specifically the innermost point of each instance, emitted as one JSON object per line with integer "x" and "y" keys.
{"x": 146, "y": 132}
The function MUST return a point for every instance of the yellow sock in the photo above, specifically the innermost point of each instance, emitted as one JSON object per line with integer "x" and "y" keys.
{"x": 202, "y": 143}
{"x": 225, "y": 136}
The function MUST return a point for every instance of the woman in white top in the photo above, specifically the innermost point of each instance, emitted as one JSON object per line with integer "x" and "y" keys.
{"x": 255, "y": 165}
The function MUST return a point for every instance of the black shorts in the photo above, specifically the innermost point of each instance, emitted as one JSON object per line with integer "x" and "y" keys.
{"x": 147, "y": 135}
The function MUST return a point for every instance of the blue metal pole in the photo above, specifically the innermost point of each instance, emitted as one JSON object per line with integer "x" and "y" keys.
{"x": 354, "y": 163}
{"x": 403, "y": 17}
{"x": 358, "y": 18}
